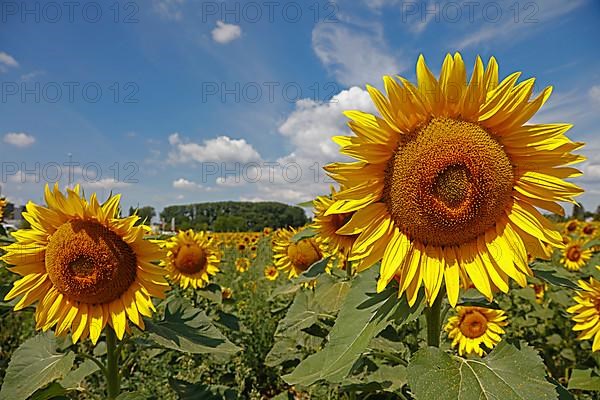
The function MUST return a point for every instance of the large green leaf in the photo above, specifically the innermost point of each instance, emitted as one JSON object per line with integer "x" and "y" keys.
{"x": 584, "y": 379}
{"x": 506, "y": 373}
{"x": 35, "y": 364}
{"x": 554, "y": 277}
{"x": 363, "y": 315}
{"x": 313, "y": 271}
{"x": 188, "y": 329}
{"x": 74, "y": 378}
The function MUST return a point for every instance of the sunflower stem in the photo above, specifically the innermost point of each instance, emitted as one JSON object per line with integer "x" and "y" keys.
{"x": 348, "y": 268}
{"x": 433, "y": 316}
{"x": 112, "y": 364}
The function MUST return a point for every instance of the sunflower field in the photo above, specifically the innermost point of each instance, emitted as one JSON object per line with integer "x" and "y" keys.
{"x": 440, "y": 266}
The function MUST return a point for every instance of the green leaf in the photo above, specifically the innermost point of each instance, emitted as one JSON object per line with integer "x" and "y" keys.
{"x": 584, "y": 379}
{"x": 304, "y": 234}
{"x": 73, "y": 379}
{"x": 201, "y": 391}
{"x": 313, "y": 271}
{"x": 188, "y": 329}
{"x": 506, "y": 373}
{"x": 53, "y": 391}
{"x": 211, "y": 292}
{"x": 363, "y": 315}
{"x": 553, "y": 277}
{"x": 35, "y": 364}
{"x": 131, "y": 396}
{"x": 306, "y": 204}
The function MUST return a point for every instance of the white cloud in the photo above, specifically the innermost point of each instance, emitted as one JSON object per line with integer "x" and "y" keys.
{"x": 220, "y": 149}
{"x": 7, "y": 61}
{"x": 225, "y": 33}
{"x": 105, "y": 183}
{"x": 19, "y": 139}
{"x": 31, "y": 75}
{"x": 594, "y": 94}
{"x": 184, "y": 184}
{"x": 169, "y": 9}
{"x": 355, "y": 56}
{"x": 510, "y": 25}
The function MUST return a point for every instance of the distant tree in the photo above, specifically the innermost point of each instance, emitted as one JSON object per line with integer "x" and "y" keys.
{"x": 578, "y": 212}
{"x": 145, "y": 213}
{"x": 250, "y": 216}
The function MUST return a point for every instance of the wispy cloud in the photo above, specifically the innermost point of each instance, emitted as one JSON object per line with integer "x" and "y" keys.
{"x": 225, "y": 33}
{"x": 19, "y": 139}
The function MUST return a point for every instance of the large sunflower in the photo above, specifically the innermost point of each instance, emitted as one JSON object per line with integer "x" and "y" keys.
{"x": 327, "y": 226}
{"x": 294, "y": 258}
{"x": 192, "y": 259}
{"x": 587, "y": 312}
{"x": 85, "y": 266}
{"x": 473, "y": 327}
{"x": 449, "y": 180}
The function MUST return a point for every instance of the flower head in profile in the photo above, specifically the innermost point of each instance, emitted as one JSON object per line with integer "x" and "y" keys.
{"x": 474, "y": 327}
{"x": 294, "y": 257}
{"x": 328, "y": 225}
{"x": 447, "y": 181}
{"x": 84, "y": 266}
{"x": 586, "y": 313}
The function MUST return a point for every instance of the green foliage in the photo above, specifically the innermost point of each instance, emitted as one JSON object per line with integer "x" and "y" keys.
{"x": 231, "y": 216}
{"x": 187, "y": 329}
{"x": 145, "y": 213}
{"x": 36, "y": 363}
{"x": 506, "y": 373}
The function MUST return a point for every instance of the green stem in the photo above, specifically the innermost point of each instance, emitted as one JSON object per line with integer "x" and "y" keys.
{"x": 348, "y": 268}
{"x": 112, "y": 364}
{"x": 434, "y": 321}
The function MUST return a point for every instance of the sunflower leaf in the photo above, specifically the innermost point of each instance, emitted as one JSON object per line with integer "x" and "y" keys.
{"x": 584, "y": 379}
{"x": 507, "y": 373}
{"x": 35, "y": 364}
{"x": 304, "y": 234}
{"x": 552, "y": 277}
{"x": 363, "y": 315}
{"x": 188, "y": 329}
{"x": 313, "y": 271}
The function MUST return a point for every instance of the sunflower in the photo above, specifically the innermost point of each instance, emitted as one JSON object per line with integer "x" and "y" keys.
{"x": 267, "y": 231}
{"x": 192, "y": 258}
{"x": 294, "y": 257}
{"x": 587, "y": 312}
{"x": 574, "y": 256}
{"x": 226, "y": 293}
{"x": 571, "y": 226}
{"x": 242, "y": 264}
{"x": 449, "y": 179}
{"x": 327, "y": 225}
{"x": 85, "y": 266}
{"x": 472, "y": 327}
{"x": 271, "y": 273}
{"x": 540, "y": 291}
{"x": 589, "y": 229}
{"x": 3, "y": 204}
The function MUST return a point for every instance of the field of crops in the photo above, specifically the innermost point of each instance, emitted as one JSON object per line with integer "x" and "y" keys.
{"x": 251, "y": 332}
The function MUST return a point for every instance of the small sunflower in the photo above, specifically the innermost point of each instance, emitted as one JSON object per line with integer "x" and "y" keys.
{"x": 84, "y": 265}
{"x": 3, "y": 204}
{"x": 327, "y": 225}
{"x": 294, "y": 258}
{"x": 267, "y": 231}
{"x": 226, "y": 293}
{"x": 241, "y": 246}
{"x": 192, "y": 258}
{"x": 540, "y": 291}
{"x": 587, "y": 312}
{"x": 475, "y": 326}
{"x": 242, "y": 264}
{"x": 574, "y": 256}
{"x": 271, "y": 273}
{"x": 589, "y": 229}
{"x": 449, "y": 179}
{"x": 572, "y": 226}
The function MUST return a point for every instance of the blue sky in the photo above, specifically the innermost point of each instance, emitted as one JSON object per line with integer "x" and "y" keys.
{"x": 178, "y": 101}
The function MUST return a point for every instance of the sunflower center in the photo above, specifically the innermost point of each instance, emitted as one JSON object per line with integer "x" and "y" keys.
{"x": 339, "y": 220}
{"x": 448, "y": 183}
{"x": 303, "y": 254}
{"x": 88, "y": 262}
{"x": 572, "y": 226}
{"x": 588, "y": 229}
{"x": 473, "y": 324}
{"x": 574, "y": 253}
{"x": 190, "y": 259}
